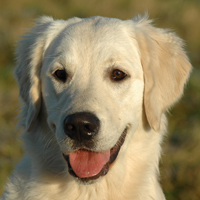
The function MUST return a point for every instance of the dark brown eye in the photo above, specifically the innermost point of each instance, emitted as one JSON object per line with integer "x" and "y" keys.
{"x": 118, "y": 75}
{"x": 61, "y": 75}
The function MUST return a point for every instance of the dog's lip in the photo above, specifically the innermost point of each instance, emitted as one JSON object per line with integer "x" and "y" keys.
{"x": 113, "y": 155}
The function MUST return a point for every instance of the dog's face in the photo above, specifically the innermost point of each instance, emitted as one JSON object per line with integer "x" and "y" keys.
{"x": 99, "y": 79}
{"x": 92, "y": 86}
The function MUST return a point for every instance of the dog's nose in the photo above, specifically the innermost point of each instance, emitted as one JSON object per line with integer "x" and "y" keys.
{"x": 81, "y": 126}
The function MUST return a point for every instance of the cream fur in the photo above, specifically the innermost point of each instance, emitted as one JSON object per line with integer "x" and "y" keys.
{"x": 89, "y": 49}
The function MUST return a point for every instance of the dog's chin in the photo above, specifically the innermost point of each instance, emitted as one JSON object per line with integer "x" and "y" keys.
{"x": 113, "y": 153}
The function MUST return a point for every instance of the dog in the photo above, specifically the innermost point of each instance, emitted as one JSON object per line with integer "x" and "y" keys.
{"x": 95, "y": 93}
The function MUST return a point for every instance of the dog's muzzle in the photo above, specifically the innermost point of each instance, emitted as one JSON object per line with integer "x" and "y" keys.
{"x": 83, "y": 163}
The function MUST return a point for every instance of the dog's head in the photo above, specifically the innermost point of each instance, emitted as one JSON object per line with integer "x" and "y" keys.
{"x": 95, "y": 78}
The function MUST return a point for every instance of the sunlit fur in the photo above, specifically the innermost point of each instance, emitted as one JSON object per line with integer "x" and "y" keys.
{"x": 156, "y": 69}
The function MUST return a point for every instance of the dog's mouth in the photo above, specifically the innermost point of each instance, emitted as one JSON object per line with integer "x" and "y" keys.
{"x": 89, "y": 165}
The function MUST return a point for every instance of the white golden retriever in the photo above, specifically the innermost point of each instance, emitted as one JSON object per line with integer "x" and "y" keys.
{"x": 95, "y": 92}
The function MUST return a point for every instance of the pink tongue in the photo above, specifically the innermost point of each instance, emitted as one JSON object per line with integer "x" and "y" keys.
{"x": 86, "y": 163}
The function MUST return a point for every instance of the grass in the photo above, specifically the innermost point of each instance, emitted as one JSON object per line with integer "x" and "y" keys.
{"x": 180, "y": 164}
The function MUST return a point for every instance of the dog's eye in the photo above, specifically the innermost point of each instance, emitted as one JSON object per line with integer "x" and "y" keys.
{"x": 61, "y": 75}
{"x": 118, "y": 75}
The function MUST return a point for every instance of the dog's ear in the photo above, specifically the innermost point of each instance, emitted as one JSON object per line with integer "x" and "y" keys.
{"x": 166, "y": 69}
{"x": 30, "y": 53}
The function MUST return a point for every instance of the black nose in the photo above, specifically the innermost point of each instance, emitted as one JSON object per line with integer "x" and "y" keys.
{"x": 81, "y": 126}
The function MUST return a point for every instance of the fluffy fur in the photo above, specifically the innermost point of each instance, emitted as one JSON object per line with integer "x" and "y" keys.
{"x": 89, "y": 50}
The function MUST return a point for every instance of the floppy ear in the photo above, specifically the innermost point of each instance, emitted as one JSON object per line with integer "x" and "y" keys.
{"x": 30, "y": 53}
{"x": 166, "y": 69}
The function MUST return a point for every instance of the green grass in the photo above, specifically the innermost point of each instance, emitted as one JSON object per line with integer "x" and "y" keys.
{"x": 180, "y": 164}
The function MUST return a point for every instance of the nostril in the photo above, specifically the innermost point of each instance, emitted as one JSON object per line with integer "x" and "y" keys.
{"x": 69, "y": 127}
{"x": 90, "y": 128}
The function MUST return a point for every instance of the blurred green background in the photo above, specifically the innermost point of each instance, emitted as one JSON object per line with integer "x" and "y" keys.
{"x": 180, "y": 163}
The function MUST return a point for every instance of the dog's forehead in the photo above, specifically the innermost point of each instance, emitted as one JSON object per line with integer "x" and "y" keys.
{"x": 95, "y": 43}
{"x": 96, "y": 37}
{"x": 97, "y": 29}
